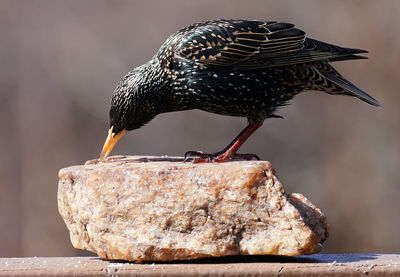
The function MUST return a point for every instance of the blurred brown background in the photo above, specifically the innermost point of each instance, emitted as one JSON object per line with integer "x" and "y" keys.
{"x": 61, "y": 60}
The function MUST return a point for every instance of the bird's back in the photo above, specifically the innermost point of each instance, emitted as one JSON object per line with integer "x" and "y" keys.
{"x": 240, "y": 67}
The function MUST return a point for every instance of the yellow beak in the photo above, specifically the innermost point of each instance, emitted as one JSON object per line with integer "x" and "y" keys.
{"x": 111, "y": 140}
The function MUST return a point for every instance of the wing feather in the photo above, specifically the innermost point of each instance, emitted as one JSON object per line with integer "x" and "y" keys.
{"x": 254, "y": 44}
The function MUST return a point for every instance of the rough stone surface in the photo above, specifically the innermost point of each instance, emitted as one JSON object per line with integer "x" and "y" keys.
{"x": 149, "y": 209}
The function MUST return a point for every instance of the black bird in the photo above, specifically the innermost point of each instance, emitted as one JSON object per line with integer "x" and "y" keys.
{"x": 245, "y": 68}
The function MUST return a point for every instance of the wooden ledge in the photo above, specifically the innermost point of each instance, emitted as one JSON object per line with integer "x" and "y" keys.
{"x": 313, "y": 265}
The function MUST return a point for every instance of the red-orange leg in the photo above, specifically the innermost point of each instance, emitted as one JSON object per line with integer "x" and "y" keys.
{"x": 229, "y": 152}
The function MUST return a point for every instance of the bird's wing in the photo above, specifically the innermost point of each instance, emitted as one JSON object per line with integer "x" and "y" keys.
{"x": 314, "y": 50}
{"x": 229, "y": 42}
{"x": 252, "y": 44}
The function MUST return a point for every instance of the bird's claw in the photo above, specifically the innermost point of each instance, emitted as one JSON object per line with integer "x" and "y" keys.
{"x": 218, "y": 157}
{"x": 197, "y": 160}
{"x": 189, "y": 154}
{"x": 197, "y": 157}
{"x": 247, "y": 157}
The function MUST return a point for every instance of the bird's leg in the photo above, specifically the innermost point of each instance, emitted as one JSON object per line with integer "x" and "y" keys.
{"x": 201, "y": 156}
{"x": 228, "y": 152}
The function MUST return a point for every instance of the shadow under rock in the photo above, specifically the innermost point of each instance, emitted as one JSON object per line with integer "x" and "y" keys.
{"x": 316, "y": 258}
{"x": 342, "y": 258}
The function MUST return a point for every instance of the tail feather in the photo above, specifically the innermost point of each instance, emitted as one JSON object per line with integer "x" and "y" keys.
{"x": 330, "y": 74}
{"x": 352, "y": 89}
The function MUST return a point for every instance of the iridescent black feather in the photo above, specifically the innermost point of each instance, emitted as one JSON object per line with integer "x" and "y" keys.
{"x": 231, "y": 67}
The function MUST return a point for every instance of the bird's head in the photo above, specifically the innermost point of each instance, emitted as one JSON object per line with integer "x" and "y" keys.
{"x": 132, "y": 106}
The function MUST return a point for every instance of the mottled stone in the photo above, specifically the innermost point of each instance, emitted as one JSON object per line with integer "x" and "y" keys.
{"x": 144, "y": 209}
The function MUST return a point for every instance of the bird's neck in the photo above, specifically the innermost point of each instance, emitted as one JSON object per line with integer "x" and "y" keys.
{"x": 154, "y": 86}
{"x": 162, "y": 84}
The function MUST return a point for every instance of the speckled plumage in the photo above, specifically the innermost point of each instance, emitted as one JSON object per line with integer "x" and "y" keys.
{"x": 230, "y": 67}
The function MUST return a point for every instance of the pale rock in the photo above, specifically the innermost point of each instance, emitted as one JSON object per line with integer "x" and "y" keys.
{"x": 160, "y": 209}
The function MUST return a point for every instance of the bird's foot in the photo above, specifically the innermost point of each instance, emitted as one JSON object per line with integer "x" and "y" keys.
{"x": 198, "y": 157}
{"x": 218, "y": 157}
{"x": 246, "y": 157}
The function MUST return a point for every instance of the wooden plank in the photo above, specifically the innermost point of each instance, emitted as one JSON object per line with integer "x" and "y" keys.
{"x": 313, "y": 265}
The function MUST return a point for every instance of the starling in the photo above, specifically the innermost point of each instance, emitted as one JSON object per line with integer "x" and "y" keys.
{"x": 244, "y": 68}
